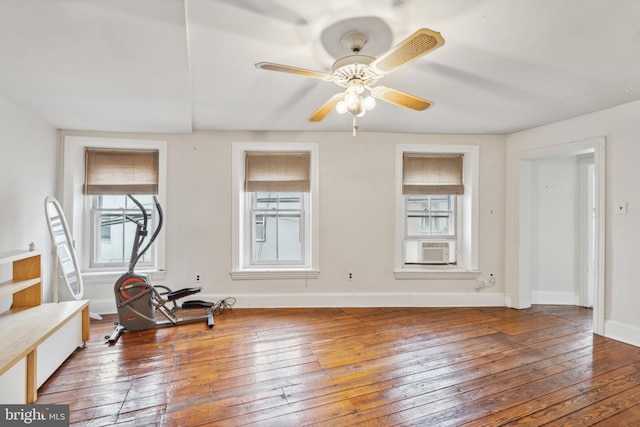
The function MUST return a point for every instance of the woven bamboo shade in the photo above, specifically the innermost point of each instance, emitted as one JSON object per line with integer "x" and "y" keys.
{"x": 432, "y": 174}
{"x": 282, "y": 171}
{"x": 109, "y": 171}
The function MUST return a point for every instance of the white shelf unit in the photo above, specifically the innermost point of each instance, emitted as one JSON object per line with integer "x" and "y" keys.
{"x": 36, "y": 338}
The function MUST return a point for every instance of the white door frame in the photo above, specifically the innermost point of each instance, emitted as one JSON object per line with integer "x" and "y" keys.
{"x": 517, "y": 241}
{"x": 586, "y": 227}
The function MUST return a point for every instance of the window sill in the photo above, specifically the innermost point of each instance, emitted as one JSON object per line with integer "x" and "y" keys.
{"x": 99, "y": 278}
{"x": 274, "y": 274}
{"x": 436, "y": 273}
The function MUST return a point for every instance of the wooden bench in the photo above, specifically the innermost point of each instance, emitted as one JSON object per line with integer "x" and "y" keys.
{"x": 36, "y": 338}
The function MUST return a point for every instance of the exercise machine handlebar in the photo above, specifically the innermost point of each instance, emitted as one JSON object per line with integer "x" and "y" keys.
{"x": 141, "y": 231}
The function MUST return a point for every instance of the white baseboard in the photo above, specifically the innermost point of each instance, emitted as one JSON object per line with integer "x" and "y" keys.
{"x": 613, "y": 329}
{"x": 622, "y": 332}
{"x": 476, "y": 299}
{"x": 103, "y": 306}
{"x": 555, "y": 298}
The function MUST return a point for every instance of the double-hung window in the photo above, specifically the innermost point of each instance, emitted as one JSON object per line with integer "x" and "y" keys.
{"x": 430, "y": 184}
{"x": 95, "y": 169}
{"x": 437, "y": 210}
{"x": 110, "y": 175}
{"x": 275, "y": 194}
{"x": 275, "y": 188}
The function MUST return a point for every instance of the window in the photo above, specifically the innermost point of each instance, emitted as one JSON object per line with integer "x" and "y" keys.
{"x": 430, "y": 183}
{"x": 113, "y": 230}
{"x": 277, "y": 220}
{"x": 111, "y": 174}
{"x": 437, "y": 211}
{"x": 275, "y": 194}
{"x": 95, "y": 207}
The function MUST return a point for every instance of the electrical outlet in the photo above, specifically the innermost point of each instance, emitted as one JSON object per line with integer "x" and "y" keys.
{"x": 197, "y": 278}
{"x": 349, "y": 276}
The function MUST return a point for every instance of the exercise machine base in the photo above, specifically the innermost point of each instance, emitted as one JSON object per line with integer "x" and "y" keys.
{"x": 121, "y": 329}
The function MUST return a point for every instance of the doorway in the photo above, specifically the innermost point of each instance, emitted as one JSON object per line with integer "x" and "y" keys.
{"x": 558, "y": 227}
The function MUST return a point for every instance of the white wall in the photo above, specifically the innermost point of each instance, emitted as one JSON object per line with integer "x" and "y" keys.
{"x": 28, "y": 159}
{"x": 621, "y": 128}
{"x": 357, "y": 214}
{"x": 554, "y": 232}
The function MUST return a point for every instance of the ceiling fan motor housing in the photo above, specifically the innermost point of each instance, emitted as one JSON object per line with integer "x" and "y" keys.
{"x": 353, "y": 66}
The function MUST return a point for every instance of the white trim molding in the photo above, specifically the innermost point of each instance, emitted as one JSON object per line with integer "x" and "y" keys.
{"x": 332, "y": 300}
{"x": 468, "y": 215}
{"x": 622, "y": 332}
{"x": 75, "y": 204}
{"x": 274, "y": 274}
{"x": 553, "y": 297}
{"x": 517, "y": 275}
{"x": 239, "y": 264}
{"x": 442, "y": 273}
{"x": 329, "y": 300}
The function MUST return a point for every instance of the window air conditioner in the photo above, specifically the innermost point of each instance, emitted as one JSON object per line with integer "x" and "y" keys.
{"x": 434, "y": 252}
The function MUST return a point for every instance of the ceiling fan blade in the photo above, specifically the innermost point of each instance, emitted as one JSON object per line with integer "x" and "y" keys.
{"x": 293, "y": 70}
{"x": 326, "y": 108}
{"x": 400, "y": 99}
{"x": 413, "y": 47}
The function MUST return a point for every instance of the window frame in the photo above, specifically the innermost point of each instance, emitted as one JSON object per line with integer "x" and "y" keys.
{"x": 466, "y": 266}
{"x": 241, "y": 268}
{"x": 78, "y": 206}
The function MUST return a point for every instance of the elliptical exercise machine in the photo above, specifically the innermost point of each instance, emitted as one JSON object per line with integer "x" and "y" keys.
{"x": 138, "y": 300}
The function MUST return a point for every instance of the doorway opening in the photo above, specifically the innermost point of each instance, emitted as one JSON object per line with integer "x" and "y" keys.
{"x": 560, "y": 227}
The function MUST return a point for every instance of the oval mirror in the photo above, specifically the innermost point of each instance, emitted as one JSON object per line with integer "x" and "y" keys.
{"x": 67, "y": 265}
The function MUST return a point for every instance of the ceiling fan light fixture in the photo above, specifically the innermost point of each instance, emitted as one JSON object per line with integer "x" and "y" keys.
{"x": 352, "y": 100}
{"x": 341, "y": 107}
{"x": 369, "y": 103}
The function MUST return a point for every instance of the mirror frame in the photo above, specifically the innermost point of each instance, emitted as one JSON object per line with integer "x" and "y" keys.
{"x": 51, "y": 202}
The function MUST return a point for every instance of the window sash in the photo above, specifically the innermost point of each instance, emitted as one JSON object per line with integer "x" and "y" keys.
{"x": 429, "y": 216}
{"x": 123, "y": 236}
{"x": 276, "y": 213}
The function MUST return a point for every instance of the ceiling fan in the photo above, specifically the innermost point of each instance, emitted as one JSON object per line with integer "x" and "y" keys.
{"x": 358, "y": 72}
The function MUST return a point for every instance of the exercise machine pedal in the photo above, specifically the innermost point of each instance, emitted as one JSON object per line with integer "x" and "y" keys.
{"x": 181, "y": 293}
{"x": 197, "y": 304}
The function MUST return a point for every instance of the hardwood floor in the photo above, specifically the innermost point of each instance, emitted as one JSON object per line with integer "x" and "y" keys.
{"x": 364, "y": 366}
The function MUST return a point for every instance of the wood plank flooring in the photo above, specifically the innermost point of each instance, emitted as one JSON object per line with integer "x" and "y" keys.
{"x": 356, "y": 366}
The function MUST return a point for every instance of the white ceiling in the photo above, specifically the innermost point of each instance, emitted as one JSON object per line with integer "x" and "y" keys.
{"x": 173, "y": 66}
